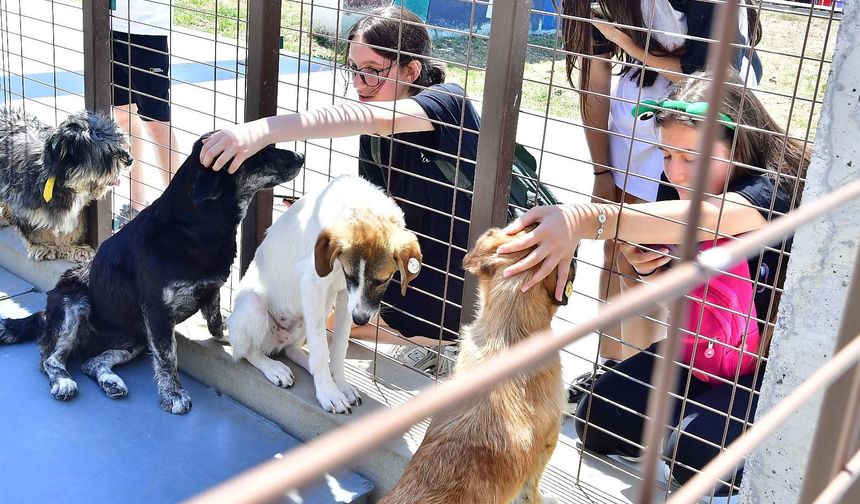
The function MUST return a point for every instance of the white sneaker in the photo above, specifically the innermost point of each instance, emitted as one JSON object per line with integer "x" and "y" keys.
{"x": 418, "y": 357}
{"x": 448, "y": 360}
{"x": 426, "y": 359}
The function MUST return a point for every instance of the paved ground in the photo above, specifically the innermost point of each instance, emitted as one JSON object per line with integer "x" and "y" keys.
{"x": 94, "y": 449}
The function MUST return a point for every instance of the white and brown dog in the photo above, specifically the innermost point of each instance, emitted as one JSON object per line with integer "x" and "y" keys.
{"x": 340, "y": 246}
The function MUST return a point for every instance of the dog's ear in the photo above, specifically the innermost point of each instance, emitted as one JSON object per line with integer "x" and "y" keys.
{"x": 482, "y": 260}
{"x": 66, "y": 141}
{"x": 407, "y": 255}
{"x": 326, "y": 250}
{"x": 207, "y": 186}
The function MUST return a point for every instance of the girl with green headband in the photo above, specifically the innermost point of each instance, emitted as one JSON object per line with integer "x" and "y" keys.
{"x": 671, "y": 37}
{"x": 756, "y": 174}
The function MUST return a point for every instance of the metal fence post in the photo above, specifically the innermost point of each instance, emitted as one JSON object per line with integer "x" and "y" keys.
{"x": 261, "y": 100}
{"x": 836, "y": 435}
{"x": 97, "y": 97}
{"x": 506, "y": 57}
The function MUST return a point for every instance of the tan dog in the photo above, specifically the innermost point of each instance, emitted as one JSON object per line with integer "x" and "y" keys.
{"x": 494, "y": 450}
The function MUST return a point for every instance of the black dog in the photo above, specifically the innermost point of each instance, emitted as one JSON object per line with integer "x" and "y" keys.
{"x": 158, "y": 270}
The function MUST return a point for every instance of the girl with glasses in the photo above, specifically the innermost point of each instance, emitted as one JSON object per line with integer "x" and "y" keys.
{"x": 409, "y": 120}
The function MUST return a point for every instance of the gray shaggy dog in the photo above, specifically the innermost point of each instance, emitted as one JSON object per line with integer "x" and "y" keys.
{"x": 48, "y": 175}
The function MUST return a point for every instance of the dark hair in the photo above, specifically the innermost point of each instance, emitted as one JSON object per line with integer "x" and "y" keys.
{"x": 578, "y": 42}
{"x": 761, "y": 143}
{"x": 397, "y": 34}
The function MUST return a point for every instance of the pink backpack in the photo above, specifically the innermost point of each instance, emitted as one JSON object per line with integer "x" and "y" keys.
{"x": 727, "y": 315}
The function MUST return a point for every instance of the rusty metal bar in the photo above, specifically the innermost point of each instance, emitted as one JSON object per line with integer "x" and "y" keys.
{"x": 97, "y": 97}
{"x": 844, "y": 482}
{"x": 331, "y": 450}
{"x": 261, "y": 100}
{"x": 836, "y": 435}
{"x": 665, "y": 371}
{"x": 506, "y": 58}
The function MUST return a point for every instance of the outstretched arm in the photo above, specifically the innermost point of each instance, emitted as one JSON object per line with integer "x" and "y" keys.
{"x": 241, "y": 141}
{"x": 561, "y": 227}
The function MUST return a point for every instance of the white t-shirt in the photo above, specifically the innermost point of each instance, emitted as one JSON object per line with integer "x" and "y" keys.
{"x": 640, "y": 176}
{"x": 645, "y": 160}
{"x": 148, "y": 17}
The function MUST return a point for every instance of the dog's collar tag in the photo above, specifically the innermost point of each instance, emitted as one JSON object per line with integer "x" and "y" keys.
{"x": 413, "y": 266}
{"x": 48, "y": 193}
{"x": 568, "y": 287}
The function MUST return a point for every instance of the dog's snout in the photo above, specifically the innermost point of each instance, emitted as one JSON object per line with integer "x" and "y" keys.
{"x": 128, "y": 161}
{"x": 360, "y": 318}
{"x": 300, "y": 159}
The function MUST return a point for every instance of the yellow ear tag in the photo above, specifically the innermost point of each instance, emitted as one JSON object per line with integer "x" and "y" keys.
{"x": 568, "y": 289}
{"x": 49, "y": 188}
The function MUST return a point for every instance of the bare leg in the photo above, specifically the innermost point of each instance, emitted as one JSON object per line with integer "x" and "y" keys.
{"x": 628, "y": 337}
{"x": 164, "y": 143}
{"x": 378, "y": 330}
{"x": 146, "y": 137}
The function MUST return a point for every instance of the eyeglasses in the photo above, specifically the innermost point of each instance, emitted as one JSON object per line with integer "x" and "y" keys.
{"x": 369, "y": 76}
{"x": 648, "y": 108}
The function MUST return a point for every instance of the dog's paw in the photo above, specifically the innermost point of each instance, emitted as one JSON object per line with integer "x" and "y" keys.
{"x": 42, "y": 252}
{"x": 176, "y": 401}
{"x": 113, "y": 386}
{"x": 64, "y": 389}
{"x": 333, "y": 400}
{"x": 350, "y": 392}
{"x": 217, "y": 330}
{"x": 4, "y": 221}
{"x": 78, "y": 253}
{"x": 279, "y": 373}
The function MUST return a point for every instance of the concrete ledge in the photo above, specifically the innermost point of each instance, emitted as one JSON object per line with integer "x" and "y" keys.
{"x": 13, "y": 256}
{"x": 296, "y": 410}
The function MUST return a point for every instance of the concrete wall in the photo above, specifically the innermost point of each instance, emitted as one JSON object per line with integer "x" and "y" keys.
{"x": 817, "y": 280}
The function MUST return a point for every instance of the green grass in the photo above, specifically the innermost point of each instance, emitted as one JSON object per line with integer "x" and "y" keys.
{"x": 545, "y": 88}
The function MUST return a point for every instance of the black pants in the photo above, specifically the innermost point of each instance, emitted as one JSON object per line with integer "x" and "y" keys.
{"x": 618, "y": 388}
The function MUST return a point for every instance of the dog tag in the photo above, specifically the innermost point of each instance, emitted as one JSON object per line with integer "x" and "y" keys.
{"x": 48, "y": 193}
{"x": 413, "y": 266}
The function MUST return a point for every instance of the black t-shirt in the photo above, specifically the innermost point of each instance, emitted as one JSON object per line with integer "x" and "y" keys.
{"x": 766, "y": 269}
{"x": 427, "y": 198}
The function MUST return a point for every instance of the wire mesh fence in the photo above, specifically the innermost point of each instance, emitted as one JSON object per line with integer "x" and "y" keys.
{"x": 579, "y": 139}
{"x": 43, "y": 58}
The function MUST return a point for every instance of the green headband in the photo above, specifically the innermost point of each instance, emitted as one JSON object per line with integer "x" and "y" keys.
{"x": 648, "y": 108}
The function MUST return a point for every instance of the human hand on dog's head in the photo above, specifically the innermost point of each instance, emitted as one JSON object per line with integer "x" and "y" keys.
{"x": 554, "y": 239}
{"x": 486, "y": 261}
{"x": 236, "y": 143}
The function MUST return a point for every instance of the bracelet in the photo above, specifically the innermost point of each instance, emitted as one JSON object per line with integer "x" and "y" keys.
{"x": 601, "y": 220}
{"x": 641, "y": 275}
{"x": 598, "y": 173}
